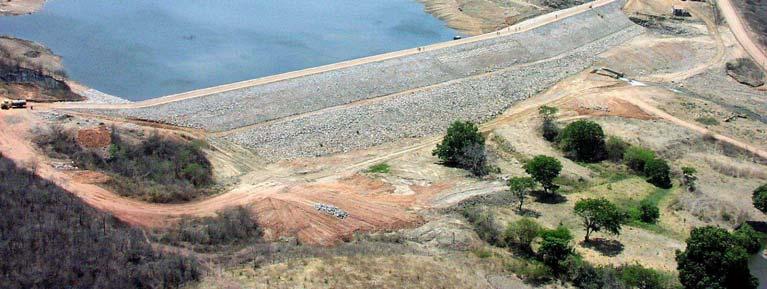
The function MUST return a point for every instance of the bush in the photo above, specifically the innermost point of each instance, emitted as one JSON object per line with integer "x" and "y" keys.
{"x": 521, "y": 233}
{"x": 714, "y": 259}
{"x": 648, "y": 212}
{"x": 157, "y": 169}
{"x": 707, "y": 120}
{"x": 544, "y": 169}
{"x": 555, "y": 248}
{"x": 463, "y": 146}
{"x": 636, "y": 158}
{"x": 615, "y": 148}
{"x": 760, "y": 198}
{"x": 483, "y": 222}
{"x": 658, "y": 173}
{"x": 382, "y": 168}
{"x": 520, "y": 187}
{"x": 583, "y": 140}
{"x": 748, "y": 238}
{"x": 636, "y": 276}
{"x": 229, "y": 226}
{"x": 529, "y": 270}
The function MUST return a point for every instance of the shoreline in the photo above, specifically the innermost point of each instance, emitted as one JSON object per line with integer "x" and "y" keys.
{"x": 20, "y": 7}
{"x": 479, "y": 17}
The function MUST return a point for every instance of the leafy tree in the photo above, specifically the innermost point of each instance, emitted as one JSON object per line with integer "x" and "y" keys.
{"x": 599, "y": 214}
{"x": 544, "y": 169}
{"x": 615, "y": 148}
{"x": 648, "y": 212}
{"x": 760, "y": 198}
{"x": 636, "y": 157}
{"x": 462, "y": 146}
{"x": 584, "y": 140}
{"x": 521, "y": 233}
{"x": 520, "y": 187}
{"x": 748, "y": 238}
{"x": 714, "y": 259}
{"x": 658, "y": 173}
{"x": 555, "y": 247}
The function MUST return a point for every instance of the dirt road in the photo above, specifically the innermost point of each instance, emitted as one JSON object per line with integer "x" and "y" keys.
{"x": 519, "y": 27}
{"x": 741, "y": 33}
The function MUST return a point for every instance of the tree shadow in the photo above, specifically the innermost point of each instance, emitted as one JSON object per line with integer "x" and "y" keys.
{"x": 758, "y": 226}
{"x": 528, "y": 213}
{"x": 610, "y": 248}
{"x": 548, "y": 198}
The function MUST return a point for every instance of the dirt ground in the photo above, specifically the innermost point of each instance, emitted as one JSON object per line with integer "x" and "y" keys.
{"x": 474, "y": 17}
{"x": 20, "y": 7}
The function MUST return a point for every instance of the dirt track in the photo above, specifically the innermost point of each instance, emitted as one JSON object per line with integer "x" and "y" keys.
{"x": 735, "y": 22}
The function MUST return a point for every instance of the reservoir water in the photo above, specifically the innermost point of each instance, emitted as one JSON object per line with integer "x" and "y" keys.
{"x": 142, "y": 49}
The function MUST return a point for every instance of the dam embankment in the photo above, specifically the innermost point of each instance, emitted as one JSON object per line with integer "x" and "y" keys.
{"x": 411, "y": 96}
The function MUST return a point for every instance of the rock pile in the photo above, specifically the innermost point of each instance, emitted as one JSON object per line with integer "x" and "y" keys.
{"x": 331, "y": 210}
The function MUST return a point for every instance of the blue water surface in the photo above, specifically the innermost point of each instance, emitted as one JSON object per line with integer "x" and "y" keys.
{"x": 140, "y": 49}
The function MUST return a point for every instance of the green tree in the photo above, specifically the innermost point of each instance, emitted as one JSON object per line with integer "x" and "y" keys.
{"x": 544, "y": 169}
{"x": 615, "y": 148}
{"x": 760, "y": 198}
{"x": 636, "y": 157}
{"x": 584, "y": 140}
{"x": 648, "y": 212}
{"x": 520, "y": 187}
{"x": 637, "y": 276}
{"x": 463, "y": 146}
{"x": 714, "y": 259}
{"x": 599, "y": 214}
{"x": 658, "y": 173}
{"x": 748, "y": 238}
{"x": 521, "y": 233}
{"x": 555, "y": 247}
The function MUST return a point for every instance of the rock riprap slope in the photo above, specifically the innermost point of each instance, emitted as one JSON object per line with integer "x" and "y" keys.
{"x": 410, "y": 96}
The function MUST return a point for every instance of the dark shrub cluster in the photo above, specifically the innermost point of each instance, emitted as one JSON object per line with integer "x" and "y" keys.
{"x": 50, "y": 239}
{"x": 760, "y": 198}
{"x": 714, "y": 258}
{"x": 583, "y": 140}
{"x": 483, "y": 222}
{"x": 230, "y": 226}
{"x": 644, "y": 161}
{"x": 157, "y": 169}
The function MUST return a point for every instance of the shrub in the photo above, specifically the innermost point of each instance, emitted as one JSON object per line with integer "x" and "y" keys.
{"x": 382, "y": 168}
{"x": 636, "y": 158}
{"x": 157, "y": 169}
{"x": 583, "y": 140}
{"x": 520, "y": 187}
{"x": 530, "y": 270}
{"x": 463, "y": 146}
{"x": 648, "y": 212}
{"x": 689, "y": 179}
{"x": 229, "y": 226}
{"x": 521, "y": 233}
{"x": 748, "y": 238}
{"x": 615, "y": 148}
{"x": 637, "y": 276}
{"x": 555, "y": 247}
{"x": 483, "y": 223}
{"x": 658, "y": 173}
{"x": 714, "y": 259}
{"x": 707, "y": 120}
{"x": 550, "y": 130}
{"x": 599, "y": 214}
{"x": 544, "y": 169}
{"x": 760, "y": 198}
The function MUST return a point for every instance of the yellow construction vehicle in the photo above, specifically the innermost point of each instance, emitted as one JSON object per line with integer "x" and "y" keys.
{"x": 13, "y": 103}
